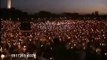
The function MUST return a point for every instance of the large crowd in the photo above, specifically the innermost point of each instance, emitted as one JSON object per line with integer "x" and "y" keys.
{"x": 46, "y": 38}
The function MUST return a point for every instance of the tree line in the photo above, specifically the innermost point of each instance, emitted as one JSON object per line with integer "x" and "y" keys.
{"x": 15, "y": 14}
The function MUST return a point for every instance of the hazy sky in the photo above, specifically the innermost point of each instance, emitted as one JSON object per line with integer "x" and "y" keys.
{"x": 58, "y": 6}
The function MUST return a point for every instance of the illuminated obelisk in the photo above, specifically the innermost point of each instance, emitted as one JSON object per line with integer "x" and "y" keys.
{"x": 9, "y": 4}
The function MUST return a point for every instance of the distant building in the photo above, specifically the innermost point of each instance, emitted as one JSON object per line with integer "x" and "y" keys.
{"x": 9, "y": 4}
{"x": 96, "y": 13}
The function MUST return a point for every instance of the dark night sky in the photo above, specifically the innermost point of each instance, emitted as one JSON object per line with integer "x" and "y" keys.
{"x": 58, "y": 6}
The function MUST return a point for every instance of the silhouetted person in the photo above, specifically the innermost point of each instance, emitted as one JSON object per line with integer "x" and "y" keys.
{"x": 59, "y": 50}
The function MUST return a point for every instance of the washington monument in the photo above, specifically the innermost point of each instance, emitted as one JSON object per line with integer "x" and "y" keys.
{"x": 9, "y": 4}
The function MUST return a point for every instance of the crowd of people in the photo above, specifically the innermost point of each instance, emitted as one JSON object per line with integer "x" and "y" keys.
{"x": 57, "y": 40}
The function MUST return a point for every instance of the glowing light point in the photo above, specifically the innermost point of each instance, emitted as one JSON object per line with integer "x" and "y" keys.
{"x": 2, "y": 56}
